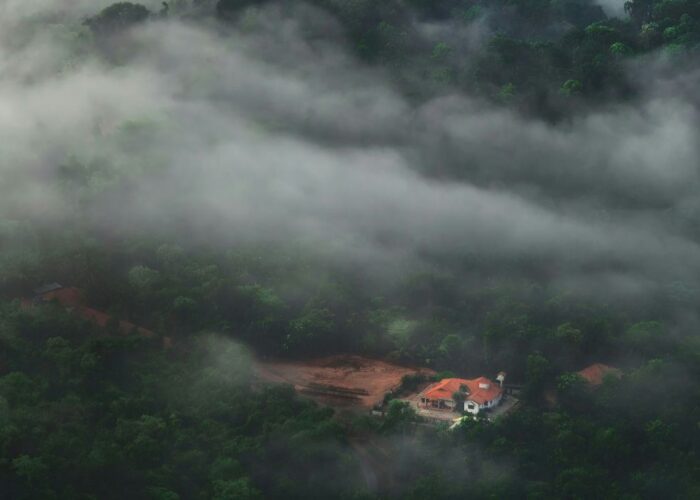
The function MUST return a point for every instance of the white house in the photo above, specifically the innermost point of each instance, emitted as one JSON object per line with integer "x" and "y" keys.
{"x": 458, "y": 394}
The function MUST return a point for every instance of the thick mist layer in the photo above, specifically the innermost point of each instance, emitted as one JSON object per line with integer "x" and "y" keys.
{"x": 269, "y": 131}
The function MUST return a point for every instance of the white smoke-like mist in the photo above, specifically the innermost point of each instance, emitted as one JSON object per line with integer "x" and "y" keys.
{"x": 270, "y": 131}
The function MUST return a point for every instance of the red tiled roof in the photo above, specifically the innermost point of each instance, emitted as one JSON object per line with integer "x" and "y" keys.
{"x": 595, "y": 373}
{"x": 448, "y": 386}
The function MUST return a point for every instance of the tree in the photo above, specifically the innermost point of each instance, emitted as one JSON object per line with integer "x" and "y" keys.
{"x": 459, "y": 397}
{"x": 645, "y": 337}
{"x": 620, "y": 49}
{"x": 399, "y": 416}
{"x": 30, "y": 468}
{"x": 117, "y": 18}
{"x": 569, "y": 333}
{"x": 239, "y": 489}
{"x": 571, "y": 88}
{"x": 316, "y": 324}
{"x": 581, "y": 482}
{"x": 450, "y": 350}
{"x": 18, "y": 388}
{"x": 142, "y": 277}
{"x": 539, "y": 370}
{"x": 60, "y": 352}
{"x": 184, "y": 308}
{"x": 441, "y": 51}
{"x": 157, "y": 493}
{"x": 572, "y": 391}
{"x": 639, "y": 10}
{"x": 226, "y": 8}
{"x": 506, "y": 93}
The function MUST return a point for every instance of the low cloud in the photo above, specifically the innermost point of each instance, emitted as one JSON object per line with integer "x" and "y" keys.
{"x": 270, "y": 131}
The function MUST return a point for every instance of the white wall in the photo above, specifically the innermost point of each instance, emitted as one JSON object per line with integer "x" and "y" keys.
{"x": 475, "y": 408}
{"x": 488, "y": 404}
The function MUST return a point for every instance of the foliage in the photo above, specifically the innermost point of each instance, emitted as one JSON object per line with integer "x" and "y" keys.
{"x": 118, "y": 17}
{"x": 399, "y": 417}
{"x": 91, "y": 416}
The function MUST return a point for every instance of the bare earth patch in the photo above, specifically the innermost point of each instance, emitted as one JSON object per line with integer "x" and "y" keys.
{"x": 344, "y": 380}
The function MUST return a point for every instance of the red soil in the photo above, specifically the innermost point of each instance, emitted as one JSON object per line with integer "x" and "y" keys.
{"x": 73, "y": 298}
{"x": 369, "y": 379}
{"x": 595, "y": 373}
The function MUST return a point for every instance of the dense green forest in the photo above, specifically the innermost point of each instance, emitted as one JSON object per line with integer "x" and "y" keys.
{"x": 464, "y": 186}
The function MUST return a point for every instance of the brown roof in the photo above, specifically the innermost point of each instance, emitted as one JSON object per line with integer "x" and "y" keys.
{"x": 480, "y": 389}
{"x": 595, "y": 373}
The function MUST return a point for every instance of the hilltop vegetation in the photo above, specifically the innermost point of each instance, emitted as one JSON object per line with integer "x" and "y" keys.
{"x": 542, "y": 57}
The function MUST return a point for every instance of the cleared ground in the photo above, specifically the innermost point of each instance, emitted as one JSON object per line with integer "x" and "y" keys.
{"x": 341, "y": 381}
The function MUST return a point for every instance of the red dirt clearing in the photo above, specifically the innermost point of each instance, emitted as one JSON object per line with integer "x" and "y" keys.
{"x": 339, "y": 380}
{"x": 73, "y": 298}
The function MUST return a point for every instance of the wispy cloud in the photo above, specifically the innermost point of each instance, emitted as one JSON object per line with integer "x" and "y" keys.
{"x": 270, "y": 132}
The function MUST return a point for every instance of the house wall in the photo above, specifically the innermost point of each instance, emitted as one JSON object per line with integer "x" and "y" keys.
{"x": 493, "y": 402}
{"x": 474, "y": 408}
{"x": 429, "y": 403}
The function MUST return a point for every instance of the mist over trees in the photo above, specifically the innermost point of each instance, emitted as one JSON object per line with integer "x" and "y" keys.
{"x": 459, "y": 185}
